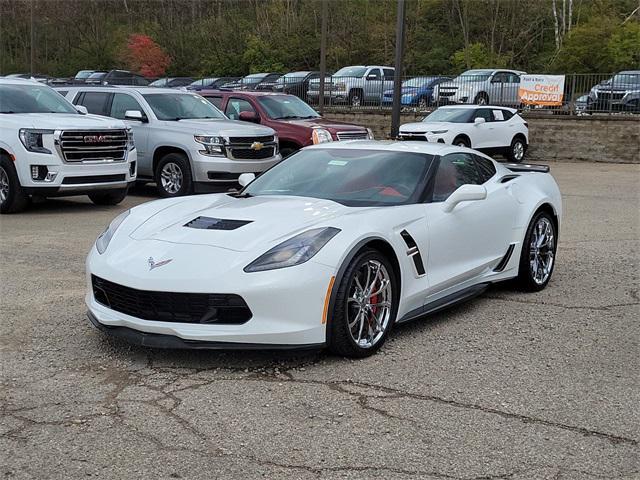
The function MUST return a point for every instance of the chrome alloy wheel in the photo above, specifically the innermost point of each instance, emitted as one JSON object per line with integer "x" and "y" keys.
{"x": 369, "y": 303}
{"x": 518, "y": 150}
{"x": 542, "y": 250}
{"x": 171, "y": 177}
{"x": 4, "y": 185}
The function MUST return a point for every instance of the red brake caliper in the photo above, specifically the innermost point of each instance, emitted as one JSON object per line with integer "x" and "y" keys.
{"x": 374, "y": 309}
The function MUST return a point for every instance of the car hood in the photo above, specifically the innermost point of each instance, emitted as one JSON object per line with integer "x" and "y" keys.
{"x": 424, "y": 126}
{"x": 324, "y": 123}
{"x": 218, "y": 127}
{"x": 271, "y": 220}
{"x": 61, "y": 121}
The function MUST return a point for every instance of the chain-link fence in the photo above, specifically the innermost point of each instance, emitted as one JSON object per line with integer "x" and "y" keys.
{"x": 371, "y": 88}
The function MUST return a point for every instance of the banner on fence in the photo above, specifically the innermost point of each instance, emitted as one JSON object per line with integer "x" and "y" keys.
{"x": 545, "y": 90}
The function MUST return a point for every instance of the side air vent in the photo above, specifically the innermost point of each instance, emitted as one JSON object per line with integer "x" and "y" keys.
{"x": 414, "y": 252}
{"x": 208, "y": 223}
{"x": 508, "y": 178}
{"x": 507, "y": 256}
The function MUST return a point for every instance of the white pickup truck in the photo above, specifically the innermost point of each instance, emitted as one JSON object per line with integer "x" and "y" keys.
{"x": 50, "y": 148}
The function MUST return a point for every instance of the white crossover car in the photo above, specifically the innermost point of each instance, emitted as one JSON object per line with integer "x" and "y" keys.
{"x": 331, "y": 247}
{"x": 485, "y": 128}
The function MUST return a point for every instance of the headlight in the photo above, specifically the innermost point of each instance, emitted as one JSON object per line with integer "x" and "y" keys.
{"x": 294, "y": 251}
{"x": 437, "y": 132}
{"x": 369, "y": 134}
{"x": 321, "y": 135}
{"x": 213, "y": 146}
{"x": 105, "y": 237}
{"x": 130, "y": 142}
{"x": 32, "y": 139}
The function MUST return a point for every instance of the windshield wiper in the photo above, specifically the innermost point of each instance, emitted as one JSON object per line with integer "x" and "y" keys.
{"x": 287, "y": 117}
{"x": 239, "y": 195}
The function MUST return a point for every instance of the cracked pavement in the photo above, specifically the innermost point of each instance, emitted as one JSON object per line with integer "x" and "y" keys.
{"x": 507, "y": 386}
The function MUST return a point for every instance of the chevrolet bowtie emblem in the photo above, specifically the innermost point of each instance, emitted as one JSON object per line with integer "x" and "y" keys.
{"x": 257, "y": 146}
{"x": 153, "y": 264}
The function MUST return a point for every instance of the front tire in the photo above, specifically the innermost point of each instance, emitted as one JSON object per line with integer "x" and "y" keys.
{"x": 173, "y": 176}
{"x": 517, "y": 150}
{"x": 355, "y": 98}
{"x": 110, "y": 197}
{"x": 481, "y": 99}
{"x": 366, "y": 304}
{"x": 12, "y": 197}
{"x": 537, "y": 258}
{"x": 462, "y": 142}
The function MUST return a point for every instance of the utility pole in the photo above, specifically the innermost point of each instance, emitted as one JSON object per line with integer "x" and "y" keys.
{"x": 33, "y": 40}
{"x": 397, "y": 78}
{"x": 323, "y": 55}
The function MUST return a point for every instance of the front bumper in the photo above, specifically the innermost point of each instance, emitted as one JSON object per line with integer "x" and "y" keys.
{"x": 287, "y": 305}
{"x": 224, "y": 170}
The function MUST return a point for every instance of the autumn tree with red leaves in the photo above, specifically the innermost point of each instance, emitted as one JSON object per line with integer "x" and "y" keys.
{"x": 145, "y": 56}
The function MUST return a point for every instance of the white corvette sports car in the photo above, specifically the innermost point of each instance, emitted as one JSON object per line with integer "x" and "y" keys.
{"x": 331, "y": 247}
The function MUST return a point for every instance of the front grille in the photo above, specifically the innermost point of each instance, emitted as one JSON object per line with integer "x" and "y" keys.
{"x": 352, "y": 135}
{"x": 93, "y": 145}
{"x": 250, "y": 140}
{"x": 413, "y": 136}
{"x": 207, "y": 308}
{"x": 447, "y": 93}
{"x": 93, "y": 179}
{"x": 250, "y": 154}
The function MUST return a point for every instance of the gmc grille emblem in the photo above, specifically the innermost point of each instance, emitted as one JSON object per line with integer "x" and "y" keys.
{"x": 96, "y": 138}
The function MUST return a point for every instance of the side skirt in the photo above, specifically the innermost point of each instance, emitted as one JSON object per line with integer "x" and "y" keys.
{"x": 445, "y": 302}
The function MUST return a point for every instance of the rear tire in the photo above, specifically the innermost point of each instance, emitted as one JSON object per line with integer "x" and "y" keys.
{"x": 517, "y": 150}
{"x": 12, "y": 197}
{"x": 110, "y": 197}
{"x": 537, "y": 258}
{"x": 360, "y": 322}
{"x": 173, "y": 176}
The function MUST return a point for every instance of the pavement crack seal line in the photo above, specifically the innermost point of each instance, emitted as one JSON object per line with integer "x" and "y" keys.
{"x": 559, "y": 305}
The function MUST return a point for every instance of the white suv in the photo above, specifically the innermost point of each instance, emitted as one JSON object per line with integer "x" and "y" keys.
{"x": 184, "y": 143}
{"x": 49, "y": 148}
{"x": 486, "y": 128}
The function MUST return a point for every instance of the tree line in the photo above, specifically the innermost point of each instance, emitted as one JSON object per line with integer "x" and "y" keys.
{"x": 237, "y": 37}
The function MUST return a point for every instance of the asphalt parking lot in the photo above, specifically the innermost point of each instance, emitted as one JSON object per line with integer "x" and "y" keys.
{"x": 510, "y": 385}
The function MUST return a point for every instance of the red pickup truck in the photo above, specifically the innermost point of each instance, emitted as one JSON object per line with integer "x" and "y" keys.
{"x": 296, "y": 123}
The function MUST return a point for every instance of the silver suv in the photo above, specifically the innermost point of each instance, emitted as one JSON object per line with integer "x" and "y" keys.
{"x": 184, "y": 143}
{"x": 481, "y": 87}
{"x": 357, "y": 85}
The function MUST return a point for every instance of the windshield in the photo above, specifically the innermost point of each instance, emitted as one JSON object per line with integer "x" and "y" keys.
{"x": 203, "y": 81}
{"x": 161, "y": 82}
{"x": 474, "y": 76}
{"x": 83, "y": 74}
{"x": 350, "y": 72}
{"x": 97, "y": 75}
{"x": 281, "y": 107}
{"x": 352, "y": 177}
{"x": 417, "y": 82}
{"x": 292, "y": 76}
{"x": 253, "y": 78}
{"x": 627, "y": 78}
{"x": 452, "y": 115}
{"x": 181, "y": 106}
{"x": 32, "y": 99}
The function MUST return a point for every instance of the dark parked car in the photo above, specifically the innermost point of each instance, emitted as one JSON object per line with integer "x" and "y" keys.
{"x": 619, "y": 93}
{"x": 416, "y": 92}
{"x": 172, "y": 82}
{"x": 296, "y": 83}
{"x": 250, "y": 82}
{"x": 116, "y": 77}
{"x": 211, "y": 82}
{"x": 82, "y": 75}
{"x": 297, "y": 124}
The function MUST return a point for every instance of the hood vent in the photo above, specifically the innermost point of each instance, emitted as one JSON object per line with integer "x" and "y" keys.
{"x": 208, "y": 223}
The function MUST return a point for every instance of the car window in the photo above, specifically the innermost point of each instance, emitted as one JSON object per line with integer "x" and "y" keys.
{"x": 95, "y": 102}
{"x": 454, "y": 170}
{"x": 483, "y": 113}
{"x": 217, "y": 101}
{"x": 374, "y": 73}
{"x": 512, "y": 77}
{"x": 123, "y": 102}
{"x": 235, "y": 106}
{"x": 507, "y": 114}
{"x": 32, "y": 99}
{"x": 486, "y": 168}
{"x": 63, "y": 92}
{"x": 388, "y": 73}
{"x": 499, "y": 77}
{"x": 498, "y": 115}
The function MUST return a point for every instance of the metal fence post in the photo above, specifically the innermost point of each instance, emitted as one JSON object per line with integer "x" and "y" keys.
{"x": 397, "y": 77}
{"x": 323, "y": 56}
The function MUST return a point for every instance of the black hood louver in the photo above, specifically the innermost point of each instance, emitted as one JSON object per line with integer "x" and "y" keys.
{"x": 208, "y": 223}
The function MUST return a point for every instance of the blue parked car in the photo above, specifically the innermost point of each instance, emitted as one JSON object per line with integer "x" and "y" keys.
{"x": 416, "y": 92}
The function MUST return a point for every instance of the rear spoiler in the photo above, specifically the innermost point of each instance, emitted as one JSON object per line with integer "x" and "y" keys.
{"x": 527, "y": 167}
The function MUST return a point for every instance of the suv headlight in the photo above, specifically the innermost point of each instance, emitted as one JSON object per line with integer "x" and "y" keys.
{"x": 321, "y": 135}
{"x": 105, "y": 237}
{"x": 32, "y": 139}
{"x": 294, "y": 251}
{"x": 213, "y": 146}
{"x": 130, "y": 143}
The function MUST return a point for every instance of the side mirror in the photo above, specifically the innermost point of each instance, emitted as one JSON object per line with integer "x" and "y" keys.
{"x": 249, "y": 117}
{"x": 134, "y": 115}
{"x": 479, "y": 120}
{"x": 372, "y": 76}
{"x": 246, "y": 178}
{"x": 82, "y": 109}
{"x": 465, "y": 193}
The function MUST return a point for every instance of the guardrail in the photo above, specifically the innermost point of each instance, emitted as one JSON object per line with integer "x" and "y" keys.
{"x": 581, "y": 94}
